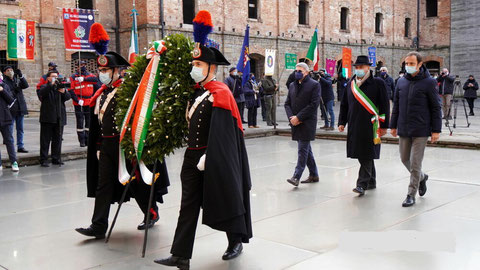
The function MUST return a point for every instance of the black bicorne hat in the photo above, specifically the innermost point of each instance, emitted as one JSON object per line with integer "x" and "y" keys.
{"x": 209, "y": 55}
{"x": 112, "y": 60}
{"x": 362, "y": 60}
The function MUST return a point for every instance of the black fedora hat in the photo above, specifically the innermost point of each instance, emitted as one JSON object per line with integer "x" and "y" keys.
{"x": 362, "y": 60}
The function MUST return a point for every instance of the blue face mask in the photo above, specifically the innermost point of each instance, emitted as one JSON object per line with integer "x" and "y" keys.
{"x": 411, "y": 69}
{"x": 383, "y": 74}
{"x": 360, "y": 73}
{"x": 298, "y": 75}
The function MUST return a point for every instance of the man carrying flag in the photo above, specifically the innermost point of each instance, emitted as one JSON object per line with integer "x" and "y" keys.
{"x": 366, "y": 109}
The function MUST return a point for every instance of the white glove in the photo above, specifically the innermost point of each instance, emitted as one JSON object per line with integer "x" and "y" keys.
{"x": 201, "y": 163}
{"x": 79, "y": 79}
{"x": 98, "y": 154}
{"x": 80, "y": 102}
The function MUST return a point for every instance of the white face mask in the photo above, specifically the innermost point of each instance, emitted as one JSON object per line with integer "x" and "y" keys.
{"x": 10, "y": 73}
{"x": 197, "y": 74}
{"x": 105, "y": 78}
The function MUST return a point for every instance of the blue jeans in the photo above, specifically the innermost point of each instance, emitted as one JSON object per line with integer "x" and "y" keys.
{"x": 7, "y": 134}
{"x": 329, "y": 109}
{"x": 18, "y": 119}
{"x": 305, "y": 159}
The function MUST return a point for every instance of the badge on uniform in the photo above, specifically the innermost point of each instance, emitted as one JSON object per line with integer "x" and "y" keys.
{"x": 197, "y": 52}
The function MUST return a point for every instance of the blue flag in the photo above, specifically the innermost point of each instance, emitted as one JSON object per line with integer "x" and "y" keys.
{"x": 244, "y": 60}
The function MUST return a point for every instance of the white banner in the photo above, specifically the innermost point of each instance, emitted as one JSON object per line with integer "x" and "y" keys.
{"x": 270, "y": 62}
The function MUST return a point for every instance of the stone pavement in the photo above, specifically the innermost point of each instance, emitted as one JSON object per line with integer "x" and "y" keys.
{"x": 462, "y": 136}
{"x": 311, "y": 227}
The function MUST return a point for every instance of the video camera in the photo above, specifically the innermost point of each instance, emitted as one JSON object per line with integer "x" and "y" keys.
{"x": 62, "y": 82}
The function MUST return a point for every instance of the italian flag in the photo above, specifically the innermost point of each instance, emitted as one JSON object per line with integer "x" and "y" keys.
{"x": 133, "y": 50}
{"x": 20, "y": 39}
{"x": 313, "y": 51}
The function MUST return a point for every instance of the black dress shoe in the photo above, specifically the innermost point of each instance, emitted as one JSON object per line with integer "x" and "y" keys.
{"x": 91, "y": 232}
{"x": 22, "y": 150}
{"x": 232, "y": 253}
{"x": 82, "y": 145}
{"x": 179, "y": 262}
{"x": 294, "y": 181}
{"x": 44, "y": 164}
{"x": 56, "y": 162}
{"x": 422, "y": 188}
{"x": 142, "y": 226}
{"x": 311, "y": 179}
{"x": 359, "y": 190}
{"x": 409, "y": 201}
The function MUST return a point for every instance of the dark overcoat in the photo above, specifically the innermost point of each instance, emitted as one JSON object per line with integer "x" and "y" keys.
{"x": 360, "y": 128}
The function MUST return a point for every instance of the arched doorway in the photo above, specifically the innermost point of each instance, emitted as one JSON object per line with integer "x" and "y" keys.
{"x": 433, "y": 67}
{"x": 257, "y": 65}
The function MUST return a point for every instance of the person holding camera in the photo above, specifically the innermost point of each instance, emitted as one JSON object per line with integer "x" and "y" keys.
{"x": 328, "y": 99}
{"x": 16, "y": 82}
{"x": 445, "y": 89}
{"x": 470, "y": 87}
{"x": 43, "y": 79}
{"x": 53, "y": 117}
{"x": 6, "y": 123}
{"x": 84, "y": 85}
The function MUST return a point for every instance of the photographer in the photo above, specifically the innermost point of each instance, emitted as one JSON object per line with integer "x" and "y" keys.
{"x": 328, "y": 99}
{"x": 446, "y": 91}
{"x": 53, "y": 117}
{"x": 470, "y": 87}
{"x": 16, "y": 82}
{"x": 6, "y": 122}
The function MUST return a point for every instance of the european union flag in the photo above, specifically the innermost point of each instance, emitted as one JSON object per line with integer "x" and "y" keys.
{"x": 244, "y": 60}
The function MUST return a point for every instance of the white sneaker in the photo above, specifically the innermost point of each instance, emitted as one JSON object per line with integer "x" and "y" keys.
{"x": 15, "y": 167}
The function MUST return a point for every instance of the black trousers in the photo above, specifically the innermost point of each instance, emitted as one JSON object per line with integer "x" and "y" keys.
{"x": 82, "y": 114}
{"x": 367, "y": 176}
{"x": 107, "y": 180}
{"x": 50, "y": 133}
{"x": 252, "y": 116}
{"x": 471, "y": 102}
{"x": 192, "y": 197}
{"x": 241, "y": 109}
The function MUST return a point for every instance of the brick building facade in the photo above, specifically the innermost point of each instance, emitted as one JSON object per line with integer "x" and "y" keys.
{"x": 284, "y": 25}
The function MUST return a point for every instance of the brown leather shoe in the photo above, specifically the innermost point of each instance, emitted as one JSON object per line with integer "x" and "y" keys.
{"x": 310, "y": 179}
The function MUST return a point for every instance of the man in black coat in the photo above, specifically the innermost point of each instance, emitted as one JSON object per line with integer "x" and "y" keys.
{"x": 416, "y": 116}
{"x": 17, "y": 83}
{"x": 389, "y": 82}
{"x": 234, "y": 83}
{"x": 328, "y": 100}
{"x": 470, "y": 87}
{"x": 103, "y": 156}
{"x": 215, "y": 173}
{"x": 362, "y": 115}
{"x": 445, "y": 89}
{"x": 6, "y": 123}
{"x": 53, "y": 117}
{"x": 301, "y": 106}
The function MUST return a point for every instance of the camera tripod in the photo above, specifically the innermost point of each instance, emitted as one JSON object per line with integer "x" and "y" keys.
{"x": 457, "y": 96}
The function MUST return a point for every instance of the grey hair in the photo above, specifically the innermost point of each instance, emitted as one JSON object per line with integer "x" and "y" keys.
{"x": 384, "y": 69}
{"x": 303, "y": 65}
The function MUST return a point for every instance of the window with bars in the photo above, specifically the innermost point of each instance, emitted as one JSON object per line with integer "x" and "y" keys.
{"x": 344, "y": 18}
{"x": 4, "y": 62}
{"x": 188, "y": 11}
{"x": 303, "y": 12}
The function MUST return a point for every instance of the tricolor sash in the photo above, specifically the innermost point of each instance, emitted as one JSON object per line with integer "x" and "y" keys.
{"x": 371, "y": 108}
{"x": 141, "y": 109}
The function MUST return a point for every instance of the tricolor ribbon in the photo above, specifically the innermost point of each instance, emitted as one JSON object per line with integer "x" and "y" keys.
{"x": 140, "y": 109}
{"x": 371, "y": 108}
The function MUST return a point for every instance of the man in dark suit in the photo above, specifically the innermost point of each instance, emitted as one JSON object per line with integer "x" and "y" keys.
{"x": 53, "y": 117}
{"x": 365, "y": 98}
{"x": 301, "y": 106}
